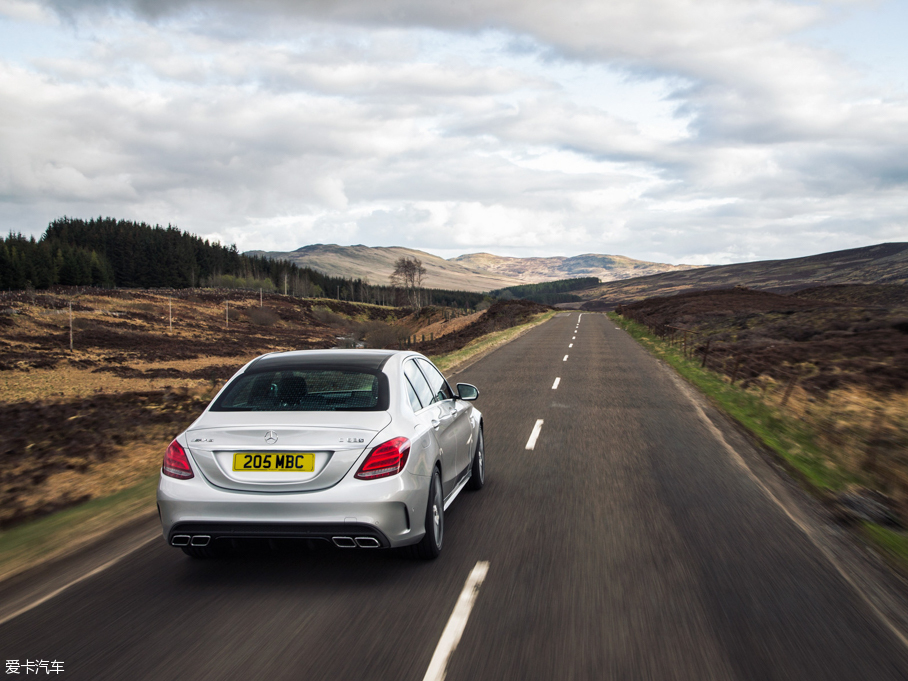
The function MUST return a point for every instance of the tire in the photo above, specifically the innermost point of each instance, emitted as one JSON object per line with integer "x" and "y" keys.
{"x": 429, "y": 547}
{"x": 478, "y": 470}
{"x": 204, "y": 552}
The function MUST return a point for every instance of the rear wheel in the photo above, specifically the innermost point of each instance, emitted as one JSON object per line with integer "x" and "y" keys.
{"x": 478, "y": 472}
{"x": 430, "y": 545}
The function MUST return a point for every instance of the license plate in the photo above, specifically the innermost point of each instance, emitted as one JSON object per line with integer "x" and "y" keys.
{"x": 273, "y": 461}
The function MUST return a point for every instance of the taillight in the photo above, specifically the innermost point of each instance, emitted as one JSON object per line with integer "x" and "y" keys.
{"x": 176, "y": 464}
{"x": 387, "y": 459}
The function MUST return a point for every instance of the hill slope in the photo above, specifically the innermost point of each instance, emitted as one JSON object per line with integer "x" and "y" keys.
{"x": 880, "y": 264}
{"x": 537, "y": 270}
{"x": 377, "y": 264}
{"x": 472, "y": 272}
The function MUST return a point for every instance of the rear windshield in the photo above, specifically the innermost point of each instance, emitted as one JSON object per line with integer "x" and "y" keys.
{"x": 306, "y": 389}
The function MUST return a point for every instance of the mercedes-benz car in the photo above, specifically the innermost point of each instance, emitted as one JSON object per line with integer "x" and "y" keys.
{"x": 360, "y": 448}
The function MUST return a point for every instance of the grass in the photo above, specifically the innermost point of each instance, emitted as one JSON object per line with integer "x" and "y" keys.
{"x": 799, "y": 444}
{"x": 39, "y": 540}
{"x": 452, "y": 361}
{"x": 892, "y": 543}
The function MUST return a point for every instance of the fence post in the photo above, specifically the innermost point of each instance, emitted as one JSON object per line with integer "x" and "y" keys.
{"x": 227, "y": 312}
{"x": 705, "y": 352}
{"x": 734, "y": 371}
{"x": 70, "y": 327}
{"x": 788, "y": 389}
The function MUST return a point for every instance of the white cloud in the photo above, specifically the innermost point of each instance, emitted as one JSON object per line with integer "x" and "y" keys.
{"x": 665, "y": 129}
{"x": 26, "y": 11}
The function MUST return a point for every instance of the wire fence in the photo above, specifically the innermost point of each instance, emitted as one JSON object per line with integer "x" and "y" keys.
{"x": 723, "y": 357}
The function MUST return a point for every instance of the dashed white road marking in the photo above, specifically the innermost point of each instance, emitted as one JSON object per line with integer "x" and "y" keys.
{"x": 450, "y": 637}
{"x": 570, "y": 345}
{"x": 573, "y": 337}
{"x": 555, "y": 384}
{"x": 531, "y": 443}
{"x": 565, "y": 358}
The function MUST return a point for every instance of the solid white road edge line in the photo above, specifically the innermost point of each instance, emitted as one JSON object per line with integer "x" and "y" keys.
{"x": 531, "y": 443}
{"x": 555, "y": 384}
{"x": 450, "y": 637}
{"x": 565, "y": 358}
{"x": 92, "y": 573}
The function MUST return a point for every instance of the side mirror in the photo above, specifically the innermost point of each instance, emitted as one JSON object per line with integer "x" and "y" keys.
{"x": 467, "y": 392}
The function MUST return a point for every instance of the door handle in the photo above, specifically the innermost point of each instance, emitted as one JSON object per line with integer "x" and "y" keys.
{"x": 436, "y": 423}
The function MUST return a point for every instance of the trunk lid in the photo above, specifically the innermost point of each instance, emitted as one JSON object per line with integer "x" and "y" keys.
{"x": 335, "y": 439}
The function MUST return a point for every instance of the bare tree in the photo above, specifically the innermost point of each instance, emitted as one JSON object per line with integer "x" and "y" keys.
{"x": 408, "y": 275}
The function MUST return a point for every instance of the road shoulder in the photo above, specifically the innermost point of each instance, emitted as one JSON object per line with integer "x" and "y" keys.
{"x": 884, "y": 591}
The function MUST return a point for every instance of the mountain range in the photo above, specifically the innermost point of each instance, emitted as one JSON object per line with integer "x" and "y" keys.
{"x": 472, "y": 272}
{"x": 623, "y": 279}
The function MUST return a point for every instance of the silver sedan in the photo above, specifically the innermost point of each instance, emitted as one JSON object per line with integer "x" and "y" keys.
{"x": 360, "y": 448}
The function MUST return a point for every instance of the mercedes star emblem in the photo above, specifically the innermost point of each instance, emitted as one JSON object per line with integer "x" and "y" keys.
{"x": 270, "y": 437}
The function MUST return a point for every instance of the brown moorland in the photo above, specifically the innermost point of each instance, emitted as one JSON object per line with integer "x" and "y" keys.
{"x": 830, "y": 336}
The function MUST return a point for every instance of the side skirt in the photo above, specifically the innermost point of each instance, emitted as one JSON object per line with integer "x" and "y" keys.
{"x": 460, "y": 485}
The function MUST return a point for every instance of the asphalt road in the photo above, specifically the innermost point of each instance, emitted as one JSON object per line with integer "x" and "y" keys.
{"x": 627, "y": 544}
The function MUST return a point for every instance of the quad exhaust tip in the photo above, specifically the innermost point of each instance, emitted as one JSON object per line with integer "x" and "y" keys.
{"x": 367, "y": 542}
{"x": 340, "y": 542}
{"x": 187, "y": 540}
{"x": 353, "y": 542}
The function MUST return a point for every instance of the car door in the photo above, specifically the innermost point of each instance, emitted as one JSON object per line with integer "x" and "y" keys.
{"x": 438, "y": 420}
{"x": 457, "y": 411}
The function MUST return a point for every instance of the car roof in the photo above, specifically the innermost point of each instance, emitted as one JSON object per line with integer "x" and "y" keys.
{"x": 369, "y": 360}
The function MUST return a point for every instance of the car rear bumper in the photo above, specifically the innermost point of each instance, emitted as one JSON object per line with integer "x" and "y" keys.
{"x": 348, "y": 535}
{"x": 391, "y": 511}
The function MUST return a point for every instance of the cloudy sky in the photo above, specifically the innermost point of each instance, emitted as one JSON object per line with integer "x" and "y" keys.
{"x": 697, "y": 131}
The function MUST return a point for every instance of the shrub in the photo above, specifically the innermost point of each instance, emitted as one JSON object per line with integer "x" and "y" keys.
{"x": 380, "y": 334}
{"x": 263, "y": 316}
{"x": 329, "y": 318}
